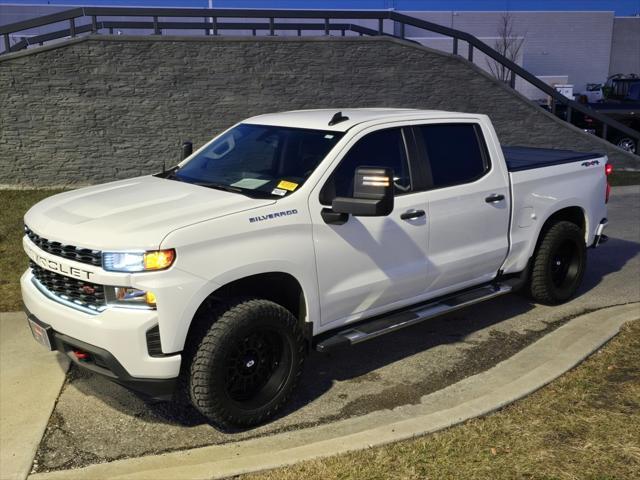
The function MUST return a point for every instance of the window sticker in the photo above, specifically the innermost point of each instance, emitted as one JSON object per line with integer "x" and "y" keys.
{"x": 278, "y": 191}
{"x": 250, "y": 183}
{"x": 291, "y": 186}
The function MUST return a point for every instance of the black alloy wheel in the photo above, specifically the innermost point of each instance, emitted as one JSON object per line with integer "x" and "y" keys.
{"x": 246, "y": 364}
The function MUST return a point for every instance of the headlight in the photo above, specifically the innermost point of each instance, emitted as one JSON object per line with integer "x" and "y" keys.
{"x": 138, "y": 261}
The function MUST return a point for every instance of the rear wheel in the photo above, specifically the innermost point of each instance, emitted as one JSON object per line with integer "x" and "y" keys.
{"x": 247, "y": 363}
{"x": 559, "y": 264}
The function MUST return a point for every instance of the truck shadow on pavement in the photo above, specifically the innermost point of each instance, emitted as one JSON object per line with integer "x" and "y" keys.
{"x": 482, "y": 343}
{"x": 607, "y": 259}
{"x": 355, "y": 365}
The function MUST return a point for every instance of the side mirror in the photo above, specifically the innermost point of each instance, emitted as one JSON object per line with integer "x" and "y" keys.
{"x": 373, "y": 192}
{"x": 187, "y": 149}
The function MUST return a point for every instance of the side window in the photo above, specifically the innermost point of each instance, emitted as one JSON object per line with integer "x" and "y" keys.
{"x": 456, "y": 153}
{"x": 384, "y": 148}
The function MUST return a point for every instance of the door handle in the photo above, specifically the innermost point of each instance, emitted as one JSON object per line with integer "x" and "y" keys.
{"x": 495, "y": 198}
{"x": 410, "y": 214}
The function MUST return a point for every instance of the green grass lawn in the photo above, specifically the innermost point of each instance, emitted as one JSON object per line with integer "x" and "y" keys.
{"x": 13, "y": 261}
{"x": 585, "y": 425}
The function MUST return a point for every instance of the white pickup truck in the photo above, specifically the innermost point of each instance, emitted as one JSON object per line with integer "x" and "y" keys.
{"x": 301, "y": 230}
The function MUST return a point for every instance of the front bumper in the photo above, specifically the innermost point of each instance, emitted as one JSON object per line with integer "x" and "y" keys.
{"x": 101, "y": 361}
{"x": 119, "y": 332}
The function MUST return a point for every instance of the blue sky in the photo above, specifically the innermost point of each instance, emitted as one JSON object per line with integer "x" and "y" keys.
{"x": 621, "y": 7}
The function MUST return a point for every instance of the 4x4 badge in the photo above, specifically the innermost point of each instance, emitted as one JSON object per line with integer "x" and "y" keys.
{"x": 590, "y": 164}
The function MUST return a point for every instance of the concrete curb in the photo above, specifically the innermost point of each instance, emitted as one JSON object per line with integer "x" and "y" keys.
{"x": 30, "y": 382}
{"x": 516, "y": 377}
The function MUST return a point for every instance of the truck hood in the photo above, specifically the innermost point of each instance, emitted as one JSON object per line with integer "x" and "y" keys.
{"x": 131, "y": 214}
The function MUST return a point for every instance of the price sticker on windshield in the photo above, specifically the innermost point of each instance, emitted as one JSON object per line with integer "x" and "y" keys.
{"x": 290, "y": 186}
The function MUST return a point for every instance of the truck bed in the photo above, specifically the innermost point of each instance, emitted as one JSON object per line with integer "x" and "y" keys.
{"x": 528, "y": 158}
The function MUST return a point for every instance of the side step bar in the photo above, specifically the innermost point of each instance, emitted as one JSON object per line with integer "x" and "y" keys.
{"x": 404, "y": 318}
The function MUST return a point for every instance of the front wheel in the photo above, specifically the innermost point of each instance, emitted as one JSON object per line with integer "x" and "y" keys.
{"x": 559, "y": 264}
{"x": 247, "y": 363}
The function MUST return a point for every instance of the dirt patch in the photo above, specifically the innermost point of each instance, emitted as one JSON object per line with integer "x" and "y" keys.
{"x": 476, "y": 359}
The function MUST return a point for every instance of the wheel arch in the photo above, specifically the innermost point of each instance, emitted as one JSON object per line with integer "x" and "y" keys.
{"x": 574, "y": 214}
{"x": 279, "y": 287}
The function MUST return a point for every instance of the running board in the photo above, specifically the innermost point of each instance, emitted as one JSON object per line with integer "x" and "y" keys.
{"x": 410, "y": 316}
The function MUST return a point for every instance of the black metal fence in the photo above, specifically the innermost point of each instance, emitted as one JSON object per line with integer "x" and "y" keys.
{"x": 328, "y": 22}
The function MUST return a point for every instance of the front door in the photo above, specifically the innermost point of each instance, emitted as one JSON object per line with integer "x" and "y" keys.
{"x": 370, "y": 264}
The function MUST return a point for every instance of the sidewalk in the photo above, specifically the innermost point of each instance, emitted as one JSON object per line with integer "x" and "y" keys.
{"x": 30, "y": 381}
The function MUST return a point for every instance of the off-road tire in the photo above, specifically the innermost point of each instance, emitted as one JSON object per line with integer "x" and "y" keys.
{"x": 561, "y": 250}
{"x": 274, "y": 350}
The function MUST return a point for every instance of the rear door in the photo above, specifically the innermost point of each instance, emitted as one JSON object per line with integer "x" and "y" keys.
{"x": 469, "y": 205}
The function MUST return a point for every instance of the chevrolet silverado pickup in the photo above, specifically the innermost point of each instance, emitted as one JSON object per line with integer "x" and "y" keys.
{"x": 210, "y": 281}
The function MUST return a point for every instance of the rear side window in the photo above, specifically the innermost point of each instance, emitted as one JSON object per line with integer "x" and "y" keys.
{"x": 384, "y": 148}
{"x": 456, "y": 153}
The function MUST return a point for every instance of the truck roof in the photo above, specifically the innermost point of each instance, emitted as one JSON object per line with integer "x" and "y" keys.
{"x": 320, "y": 119}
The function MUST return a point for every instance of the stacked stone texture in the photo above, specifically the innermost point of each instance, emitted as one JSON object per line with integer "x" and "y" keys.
{"x": 106, "y": 108}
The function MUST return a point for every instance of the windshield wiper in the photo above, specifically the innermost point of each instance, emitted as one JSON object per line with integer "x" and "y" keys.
{"x": 219, "y": 186}
{"x": 229, "y": 188}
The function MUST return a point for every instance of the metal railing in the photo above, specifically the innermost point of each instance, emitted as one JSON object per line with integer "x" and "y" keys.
{"x": 91, "y": 19}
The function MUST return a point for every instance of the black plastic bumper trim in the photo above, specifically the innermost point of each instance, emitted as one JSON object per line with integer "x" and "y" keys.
{"x": 104, "y": 363}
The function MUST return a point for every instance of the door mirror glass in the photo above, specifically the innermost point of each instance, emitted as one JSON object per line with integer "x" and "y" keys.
{"x": 373, "y": 192}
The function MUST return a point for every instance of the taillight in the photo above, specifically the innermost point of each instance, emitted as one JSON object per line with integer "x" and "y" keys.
{"x": 608, "y": 170}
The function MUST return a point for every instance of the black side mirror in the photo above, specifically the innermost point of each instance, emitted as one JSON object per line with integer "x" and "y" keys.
{"x": 187, "y": 149}
{"x": 373, "y": 192}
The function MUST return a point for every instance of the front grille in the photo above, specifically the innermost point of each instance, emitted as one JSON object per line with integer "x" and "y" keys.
{"x": 78, "y": 292}
{"x": 82, "y": 255}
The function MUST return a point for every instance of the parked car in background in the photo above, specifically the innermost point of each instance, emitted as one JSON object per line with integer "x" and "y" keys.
{"x": 594, "y": 92}
{"x": 623, "y": 107}
{"x": 619, "y": 99}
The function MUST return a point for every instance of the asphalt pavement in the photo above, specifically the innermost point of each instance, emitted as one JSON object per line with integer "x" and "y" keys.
{"x": 519, "y": 375}
{"x": 96, "y": 420}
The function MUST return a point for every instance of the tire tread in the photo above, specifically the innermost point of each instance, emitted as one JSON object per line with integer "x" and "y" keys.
{"x": 540, "y": 289}
{"x": 233, "y": 314}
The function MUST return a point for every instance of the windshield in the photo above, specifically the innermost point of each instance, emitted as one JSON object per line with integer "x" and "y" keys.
{"x": 259, "y": 160}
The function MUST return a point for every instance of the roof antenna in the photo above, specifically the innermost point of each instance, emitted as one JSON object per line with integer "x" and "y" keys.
{"x": 337, "y": 118}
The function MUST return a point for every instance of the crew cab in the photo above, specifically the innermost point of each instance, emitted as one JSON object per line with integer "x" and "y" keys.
{"x": 209, "y": 282}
